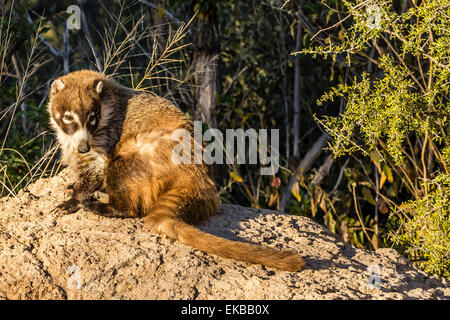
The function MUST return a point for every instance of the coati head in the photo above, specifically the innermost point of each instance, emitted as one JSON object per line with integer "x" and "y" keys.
{"x": 75, "y": 109}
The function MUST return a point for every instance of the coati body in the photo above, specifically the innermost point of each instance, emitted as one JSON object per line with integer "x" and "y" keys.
{"x": 120, "y": 141}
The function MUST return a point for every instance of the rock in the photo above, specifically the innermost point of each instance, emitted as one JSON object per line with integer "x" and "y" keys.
{"x": 84, "y": 256}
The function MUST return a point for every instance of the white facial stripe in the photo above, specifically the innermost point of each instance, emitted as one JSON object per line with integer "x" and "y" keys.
{"x": 77, "y": 119}
{"x": 81, "y": 135}
{"x": 68, "y": 117}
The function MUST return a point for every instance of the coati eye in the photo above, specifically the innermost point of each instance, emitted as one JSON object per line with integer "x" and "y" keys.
{"x": 92, "y": 119}
{"x": 68, "y": 118}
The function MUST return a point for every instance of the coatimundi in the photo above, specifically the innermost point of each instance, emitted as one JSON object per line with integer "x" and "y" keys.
{"x": 119, "y": 141}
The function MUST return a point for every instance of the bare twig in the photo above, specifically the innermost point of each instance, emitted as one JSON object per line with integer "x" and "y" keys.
{"x": 21, "y": 93}
{"x": 323, "y": 171}
{"x": 236, "y": 77}
{"x": 359, "y": 216}
{"x": 341, "y": 174}
{"x": 66, "y": 50}
{"x": 169, "y": 15}
{"x": 55, "y": 52}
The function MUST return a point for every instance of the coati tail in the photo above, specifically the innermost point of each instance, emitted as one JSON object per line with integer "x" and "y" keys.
{"x": 171, "y": 226}
{"x": 189, "y": 235}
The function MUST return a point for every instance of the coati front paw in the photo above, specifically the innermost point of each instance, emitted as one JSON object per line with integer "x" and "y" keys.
{"x": 68, "y": 207}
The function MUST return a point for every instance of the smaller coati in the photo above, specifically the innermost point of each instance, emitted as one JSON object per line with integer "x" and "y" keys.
{"x": 119, "y": 141}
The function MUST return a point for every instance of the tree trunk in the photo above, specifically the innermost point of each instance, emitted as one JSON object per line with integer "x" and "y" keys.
{"x": 206, "y": 73}
{"x": 296, "y": 126}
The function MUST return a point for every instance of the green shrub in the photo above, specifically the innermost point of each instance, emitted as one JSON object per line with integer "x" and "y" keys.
{"x": 423, "y": 228}
{"x": 397, "y": 115}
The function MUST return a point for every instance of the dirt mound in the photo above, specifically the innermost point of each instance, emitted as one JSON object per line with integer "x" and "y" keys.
{"x": 83, "y": 256}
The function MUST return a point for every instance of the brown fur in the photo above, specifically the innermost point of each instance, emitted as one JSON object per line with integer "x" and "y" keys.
{"x": 130, "y": 159}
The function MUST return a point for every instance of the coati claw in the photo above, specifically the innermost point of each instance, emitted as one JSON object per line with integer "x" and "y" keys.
{"x": 101, "y": 196}
{"x": 70, "y": 189}
{"x": 67, "y": 207}
{"x": 68, "y": 193}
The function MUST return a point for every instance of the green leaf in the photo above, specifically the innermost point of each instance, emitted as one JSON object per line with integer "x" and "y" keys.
{"x": 161, "y": 11}
{"x": 295, "y": 190}
{"x": 388, "y": 172}
{"x": 368, "y": 195}
{"x": 235, "y": 177}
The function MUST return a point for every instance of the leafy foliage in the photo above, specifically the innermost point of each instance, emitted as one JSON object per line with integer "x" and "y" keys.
{"x": 398, "y": 117}
{"x": 423, "y": 227}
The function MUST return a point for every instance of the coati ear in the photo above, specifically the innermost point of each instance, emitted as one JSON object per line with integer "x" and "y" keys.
{"x": 99, "y": 87}
{"x": 57, "y": 86}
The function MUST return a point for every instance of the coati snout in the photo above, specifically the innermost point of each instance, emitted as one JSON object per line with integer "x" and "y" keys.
{"x": 84, "y": 147}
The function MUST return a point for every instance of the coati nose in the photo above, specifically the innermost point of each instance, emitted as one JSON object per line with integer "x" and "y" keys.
{"x": 84, "y": 147}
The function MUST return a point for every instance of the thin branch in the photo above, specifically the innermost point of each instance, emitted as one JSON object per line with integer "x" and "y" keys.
{"x": 236, "y": 77}
{"x": 169, "y": 15}
{"x": 359, "y": 216}
{"x": 85, "y": 27}
{"x": 55, "y": 52}
{"x": 330, "y": 27}
{"x": 66, "y": 50}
